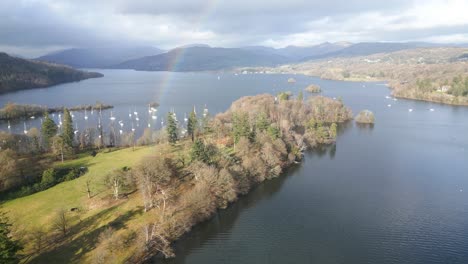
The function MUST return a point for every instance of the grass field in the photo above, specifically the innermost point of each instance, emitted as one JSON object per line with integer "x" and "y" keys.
{"x": 37, "y": 212}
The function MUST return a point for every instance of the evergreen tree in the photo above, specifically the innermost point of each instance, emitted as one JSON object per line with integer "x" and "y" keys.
{"x": 192, "y": 125}
{"x": 49, "y": 129}
{"x": 241, "y": 126}
{"x": 8, "y": 247}
{"x": 202, "y": 152}
{"x": 171, "y": 128}
{"x": 68, "y": 133}
{"x": 262, "y": 122}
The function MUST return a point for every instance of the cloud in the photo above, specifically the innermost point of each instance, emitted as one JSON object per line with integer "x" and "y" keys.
{"x": 31, "y": 27}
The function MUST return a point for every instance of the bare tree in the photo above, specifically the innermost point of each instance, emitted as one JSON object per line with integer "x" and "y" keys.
{"x": 61, "y": 222}
{"x": 118, "y": 180}
{"x": 154, "y": 175}
{"x": 88, "y": 188}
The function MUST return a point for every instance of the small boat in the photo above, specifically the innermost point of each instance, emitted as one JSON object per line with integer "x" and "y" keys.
{"x": 137, "y": 118}
{"x": 112, "y": 118}
{"x": 410, "y": 110}
{"x": 389, "y": 105}
{"x": 388, "y": 97}
{"x": 219, "y": 77}
{"x": 394, "y": 99}
{"x": 154, "y": 117}
{"x": 149, "y": 125}
{"x": 33, "y": 117}
{"x": 432, "y": 110}
{"x": 121, "y": 131}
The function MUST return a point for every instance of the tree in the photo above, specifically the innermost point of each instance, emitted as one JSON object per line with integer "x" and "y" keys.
{"x": 119, "y": 180}
{"x": 262, "y": 122}
{"x": 333, "y": 130}
{"x": 10, "y": 169}
{"x": 300, "y": 96}
{"x": 49, "y": 129}
{"x": 8, "y": 247}
{"x": 154, "y": 176}
{"x": 68, "y": 132}
{"x": 202, "y": 152}
{"x": 192, "y": 124}
{"x": 241, "y": 126}
{"x": 34, "y": 134}
{"x": 61, "y": 222}
{"x": 171, "y": 128}
{"x": 59, "y": 148}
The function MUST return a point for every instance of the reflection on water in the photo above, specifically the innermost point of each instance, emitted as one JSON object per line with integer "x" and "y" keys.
{"x": 391, "y": 193}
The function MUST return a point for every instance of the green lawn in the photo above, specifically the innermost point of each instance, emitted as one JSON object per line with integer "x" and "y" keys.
{"x": 37, "y": 210}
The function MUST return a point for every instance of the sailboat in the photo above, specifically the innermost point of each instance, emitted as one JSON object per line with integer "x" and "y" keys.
{"x": 112, "y": 118}
{"x": 76, "y": 129}
{"x": 185, "y": 118}
{"x": 25, "y": 130}
{"x": 205, "y": 112}
{"x": 85, "y": 114}
{"x": 9, "y": 126}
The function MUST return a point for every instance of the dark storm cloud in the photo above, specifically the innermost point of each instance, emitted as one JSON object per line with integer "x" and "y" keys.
{"x": 35, "y": 25}
{"x": 274, "y": 16}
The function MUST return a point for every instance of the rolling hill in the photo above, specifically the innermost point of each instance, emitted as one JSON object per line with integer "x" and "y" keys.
{"x": 98, "y": 57}
{"x": 18, "y": 74}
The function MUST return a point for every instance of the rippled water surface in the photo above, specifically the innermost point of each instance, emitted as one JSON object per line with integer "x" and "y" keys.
{"x": 394, "y": 193}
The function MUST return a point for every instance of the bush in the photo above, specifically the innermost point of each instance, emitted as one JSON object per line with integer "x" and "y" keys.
{"x": 48, "y": 178}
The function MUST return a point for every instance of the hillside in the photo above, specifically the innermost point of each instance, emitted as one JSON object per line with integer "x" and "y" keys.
{"x": 98, "y": 57}
{"x": 430, "y": 74}
{"x": 202, "y": 59}
{"x": 18, "y": 74}
{"x": 296, "y": 53}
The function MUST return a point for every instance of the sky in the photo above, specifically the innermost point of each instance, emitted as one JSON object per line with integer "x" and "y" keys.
{"x": 34, "y": 27}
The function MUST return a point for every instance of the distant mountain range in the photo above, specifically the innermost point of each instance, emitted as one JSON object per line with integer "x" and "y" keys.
{"x": 18, "y": 74}
{"x": 98, "y": 57}
{"x": 296, "y": 53}
{"x": 201, "y": 57}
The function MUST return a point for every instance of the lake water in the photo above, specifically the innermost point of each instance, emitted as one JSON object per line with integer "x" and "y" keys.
{"x": 394, "y": 193}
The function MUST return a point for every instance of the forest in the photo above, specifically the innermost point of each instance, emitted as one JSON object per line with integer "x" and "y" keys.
{"x": 127, "y": 199}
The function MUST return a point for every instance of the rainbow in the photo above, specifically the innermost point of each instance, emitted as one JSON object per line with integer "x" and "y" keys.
{"x": 165, "y": 83}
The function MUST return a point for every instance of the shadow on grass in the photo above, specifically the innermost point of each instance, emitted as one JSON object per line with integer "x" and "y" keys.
{"x": 84, "y": 236}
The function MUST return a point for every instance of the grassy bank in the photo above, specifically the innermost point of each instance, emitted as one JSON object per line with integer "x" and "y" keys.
{"x": 143, "y": 200}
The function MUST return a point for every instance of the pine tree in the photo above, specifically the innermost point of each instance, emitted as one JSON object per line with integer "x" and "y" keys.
{"x": 68, "y": 133}
{"x": 241, "y": 126}
{"x": 171, "y": 128}
{"x": 8, "y": 247}
{"x": 192, "y": 125}
{"x": 49, "y": 129}
{"x": 262, "y": 122}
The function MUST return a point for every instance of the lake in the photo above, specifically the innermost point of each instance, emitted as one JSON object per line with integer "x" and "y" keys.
{"x": 396, "y": 192}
